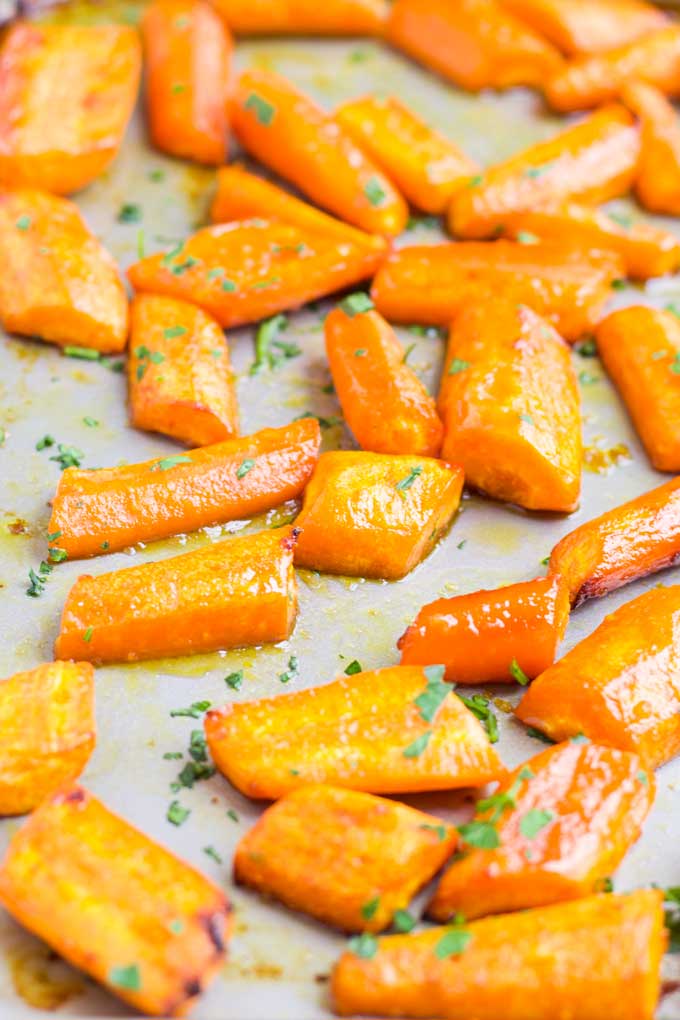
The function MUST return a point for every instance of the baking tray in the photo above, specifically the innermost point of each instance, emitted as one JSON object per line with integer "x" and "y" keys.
{"x": 279, "y": 962}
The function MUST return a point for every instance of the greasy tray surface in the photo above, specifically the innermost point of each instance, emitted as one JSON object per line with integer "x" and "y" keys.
{"x": 278, "y": 962}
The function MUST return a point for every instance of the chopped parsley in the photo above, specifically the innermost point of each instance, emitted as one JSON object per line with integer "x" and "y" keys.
{"x": 68, "y": 456}
{"x": 526, "y": 237}
{"x": 244, "y": 467}
{"x": 453, "y": 943}
{"x": 357, "y": 303}
{"x": 374, "y": 191}
{"x": 403, "y": 922}
{"x": 534, "y": 821}
{"x": 475, "y": 181}
{"x": 264, "y": 111}
{"x": 194, "y": 711}
{"x": 46, "y": 441}
{"x": 539, "y": 735}
{"x": 292, "y": 671}
{"x": 364, "y": 945}
{"x": 434, "y": 694}
{"x": 170, "y": 462}
{"x": 368, "y": 911}
{"x": 177, "y": 814}
{"x": 87, "y": 635}
{"x": 643, "y": 778}
{"x": 537, "y": 171}
{"x": 440, "y": 830}
{"x": 675, "y": 364}
{"x": 234, "y": 680}
{"x": 172, "y": 331}
{"x": 360, "y": 352}
{"x": 128, "y": 977}
{"x": 405, "y": 483}
{"x": 353, "y": 668}
{"x": 480, "y": 706}
{"x": 198, "y": 747}
{"x": 84, "y": 353}
{"x": 587, "y": 379}
{"x": 211, "y": 852}
{"x": 38, "y": 580}
{"x": 130, "y": 212}
{"x": 415, "y": 749}
{"x": 57, "y": 555}
{"x": 618, "y": 284}
{"x": 270, "y": 351}
{"x": 526, "y": 418}
{"x": 518, "y": 674}
{"x": 458, "y": 365}
{"x": 232, "y": 815}
{"x": 23, "y": 223}
{"x": 91, "y": 423}
{"x": 480, "y": 834}
{"x": 156, "y": 175}
{"x": 588, "y": 348}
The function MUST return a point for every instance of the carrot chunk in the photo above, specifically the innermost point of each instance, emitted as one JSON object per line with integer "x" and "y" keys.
{"x": 238, "y": 592}
{"x": 304, "y": 17}
{"x": 491, "y": 636}
{"x": 375, "y": 515}
{"x": 58, "y": 282}
{"x": 48, "y": 732}
{"x": 187, "y": 55}
{"x": 113, "y": 508}
{"x": 393, "y": 730}
{"x": 554, "y": 830}
{"x": 577, "y": 27}
{"x": 592, "y": 161}
{"x": 288, "y": 132}
{"x": 384, "y": 402}
{"x": 348, "y": 858}
{"x": 511, "y": 407}
{"x": 427, "y": 168}
{"x": 657, "y": 182}
{"x": 619, "y": 686}
{"x": 115, "y": 904}
{"x": 66, "y": 95}
{"x": 597, "y": 958}
{"x": 474, "y": 43}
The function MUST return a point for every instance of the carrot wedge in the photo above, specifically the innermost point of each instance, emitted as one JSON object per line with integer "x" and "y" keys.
{"x": 597, "y": 958}
{"x": 187, "y": 54}
{"x": 289, "y": 133}
{"x": 384, "y": 402}
{"x": 347, "y": 858}
{"x": 304, "y": 17}
{"x": 578, "y": 27}
{"x": 511, "y": 407}
{"x": 619, "y": 686}
{"x": 657, "y": 182}
{"x": 66, "y": 95}
{"x": 112, "y": 902}
{"x": 395, "y": 730}
{"x": 540, "y": 840}
{"x": 112, "y": 508}
{"x": 491, "y": 636}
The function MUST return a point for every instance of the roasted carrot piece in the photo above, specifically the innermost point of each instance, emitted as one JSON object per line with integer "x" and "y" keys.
{"x": 554, "y": 830}
{"x": 622, "y": 545}
{"x": 234, "y": 593}
{"x": 348, "y": 858}
{"x": 590, "y": 81}
{"x": 597, "y": 958}
{"x": 491, "y": 636}
{"x": 384, "y": 402}
{"x": 619, "y": 686}
{"x": 285, "y": 268}
{"x": 179, "y": 373}
{"x": 286, "y": 131}
{"x": 427, "y": 168}
{"x": 112, "y": 508}
{"x": 66, "y": 95}
{"x": 304, "y": 17}
{"x": 187, "y": 52}
{"x": 657, "y": 182}
{"x": 474, "y": 43}
{"x": 393, "y": 730}
{"x": 115, "y": 904}
{"x": 511, "y": 407}
{"x": 592, "y": 161}
{"x": 583, "y": 26}
{"x": 48, "y": 728}
{"x": 375, "y": 515}
{"x": 429, "y": 283}
{"x": 58, "y": 282}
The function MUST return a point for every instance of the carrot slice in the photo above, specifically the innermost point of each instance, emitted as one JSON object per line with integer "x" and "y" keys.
{"x": 491, "y": 636}
{"x": 384, "y": 402}
{"x": 619, "y": 686}
{"x": 375, "y": 515}
{"x": 66, "y": 95}
{"x": 554, "y": 830}
{"x": 113, "y": 508}
{"x": 657, "y": 182}
{"x": 115, "y": 904}
{"x": 304, "y": 17}
{"x": 581, "y": 26}
{"x": 288, "y": 132}
{"x": 393, "y": 730}
{"x": 348, "y": 858}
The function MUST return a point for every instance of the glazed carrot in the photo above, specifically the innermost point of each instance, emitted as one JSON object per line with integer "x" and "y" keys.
{"x": 304, "y": 17}
{"x": 234, "y": 593}
{"x": 597, "y": 958}
{"x": 66, "y": 95}
{"x": 48, "y": 727}
{"x": 554, "y": 830}
{"x": 58, "y": 282}
{"x": 657, "y": 182}
{"x": 427, "y": 168}
{"x": 583, "y": 26}
{"x": 179, "y": 373}
{"x": 187, "y": 52}
{"x": 474, "y": 43}
{"x": 618, "y": 686}
{"x": 115, "y": 904}
{"x": 288, "y": 132}
{"x": 592, "y": 161}
{"x": 286, "y": 267}
{"x": 591, "y": 81}
{"x": 348, "y": 858}
{"x": 622, "y": 545}
{"x": 113, "y": 508}
{"x": 429, "y": 283}
{"x": 491, "y": 636}
{"x": 640, "y": 348}
{"x": 511, "y": 407}
{"x": 394, "y": 730}
{"x": 384, "y": 402}
{"x": 373, "y": 514}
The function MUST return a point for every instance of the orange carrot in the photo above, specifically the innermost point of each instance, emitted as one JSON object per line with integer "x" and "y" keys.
{"x": 113, "y": 508}
{"x": 657, "y": 182}
{"x": 304, "y": 17}
{"x": 583, "y": 26}
{"x": 289, "y": 133}
{"x": 395, "y": 730}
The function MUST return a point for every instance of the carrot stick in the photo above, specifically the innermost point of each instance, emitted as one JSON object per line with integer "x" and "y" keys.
{"x": 580, "y": 26}
{"x": 304, "y": 17}
{"x": 657, "y": 182}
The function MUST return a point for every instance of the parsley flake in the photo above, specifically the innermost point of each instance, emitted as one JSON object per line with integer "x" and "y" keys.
{"x": 374, "y": 191}
{"x": 405, "y": 483}
{"x": 244, "y": 467}
{"x": 356, "y": 304}
{"x": 84, "y": 353}
{"x": 479, "y": 706}
{"x": 518, "y": 674}
{"x": 234, "y": 680}
{"x": 264, "y": 111}
{"x": 177, "y": 814}
{"x": 480, "y": 834}
{"x": 353, "y": 668}
{"x": 170, "y": 462}
{"x": 458, "y": 365}
{"x": 534, "y": 821}
{"x": 266, "y": 338}
{"x": 364, "y": 945}
{"x": 128, "y": 977}
{"x": 415, "y": 749}
{"x": 211, "y": 852}
{"x": 23, "y": 223}
{"x": 87, "y": 635}
{"x": 368, "y": 911}
{"x": 172, "y": 331}
{"x": 434, "y": 694}
{"x": 291, "y": 672}
{"x": 453, "y": 943}
{"x": 440, "y": 830}
{"x": 130, "y": 212}
{"x": 526, "y": 237}
{"x": 403, "y": 922}
{"x": 194, "y": 711}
